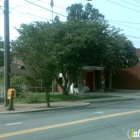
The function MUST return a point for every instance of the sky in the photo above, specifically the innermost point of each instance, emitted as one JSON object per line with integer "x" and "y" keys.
{"x": 123, "y": 14}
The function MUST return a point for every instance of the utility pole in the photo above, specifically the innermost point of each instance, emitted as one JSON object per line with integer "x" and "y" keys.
{"x": 6, "y": 52}
{"x": 52, "y": 5}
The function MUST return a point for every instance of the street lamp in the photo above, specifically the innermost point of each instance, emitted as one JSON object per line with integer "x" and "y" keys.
{"x": 89, "y": 0}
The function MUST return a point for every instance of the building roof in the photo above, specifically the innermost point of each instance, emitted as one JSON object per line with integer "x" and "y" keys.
{"x": 16, "y": 69}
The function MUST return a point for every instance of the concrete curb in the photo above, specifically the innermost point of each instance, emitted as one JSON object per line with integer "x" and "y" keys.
{"x": 45, "y": 109}
{"x": 106, "y": 100}
{"x": 86, "y": 103}
{"x": 112, "y": 100}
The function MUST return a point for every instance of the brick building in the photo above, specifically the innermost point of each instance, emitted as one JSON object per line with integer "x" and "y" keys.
{"x": 127, "y": 78}
{"x": 91, "y": 76}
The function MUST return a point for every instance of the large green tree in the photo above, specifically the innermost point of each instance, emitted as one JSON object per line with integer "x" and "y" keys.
{"x": 66, "y": 45}
{"x": 78, "y": 44}
{"x": 85, "y": 38}
{"x": 75, "y": 42}
{"x": 33, "y": 47}
{"x": 113, "y": 50}
{"x": 79, "y": 41}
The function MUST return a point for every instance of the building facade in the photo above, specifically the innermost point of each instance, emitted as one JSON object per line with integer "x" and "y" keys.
{"x": 127, "y": 78}
{"x": 90, "y": 76}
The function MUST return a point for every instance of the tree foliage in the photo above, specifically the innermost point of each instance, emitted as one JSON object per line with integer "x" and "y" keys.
{"x": 87, "y": 13}
{"x": 78, "y": 44}
{"x": 80, "y": 41}
{"x": 120, "y": 53}
{"x": 85, "y": 38}
{"x": 34, "y": 49}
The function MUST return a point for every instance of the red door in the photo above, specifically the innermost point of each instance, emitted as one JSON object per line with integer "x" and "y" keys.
{"x": 89, "y": 80}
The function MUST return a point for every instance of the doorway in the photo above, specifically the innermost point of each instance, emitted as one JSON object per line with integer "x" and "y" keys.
{"x": 89, "y": 80}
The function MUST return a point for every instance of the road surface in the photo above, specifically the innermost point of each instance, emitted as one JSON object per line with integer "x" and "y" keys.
{"x": 98, "y": 121}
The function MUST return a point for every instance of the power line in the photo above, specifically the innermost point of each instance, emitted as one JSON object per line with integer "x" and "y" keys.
{"x": 15, "y": 7}
{"x": 30, "y": 9}
{"x": 38, "y": 5}
{"x": 137, "y": 1}
{"x": 136, "y": 41}
{"x": 38, "y": 16}
{"x": 45, "y": 8}
{"x": 131, "y": 4}
{"x": 124, "y": 6}
{"x": 126, "y": 26}
{"x": 23, "y": 14}
{"x": 133, "y": 36}
{"x": 23, "y": 4}
{"x": 55, "y": 5}
{"x": 124, "y": 21}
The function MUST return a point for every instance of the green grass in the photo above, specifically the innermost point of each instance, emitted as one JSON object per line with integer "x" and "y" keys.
{"x": 41, "y": 97}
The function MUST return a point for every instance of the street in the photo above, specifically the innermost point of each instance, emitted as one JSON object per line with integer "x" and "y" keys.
{"x": 99, "y": 121}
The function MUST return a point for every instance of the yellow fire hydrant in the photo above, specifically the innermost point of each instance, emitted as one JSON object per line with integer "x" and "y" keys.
{"x": 11, "y": 94}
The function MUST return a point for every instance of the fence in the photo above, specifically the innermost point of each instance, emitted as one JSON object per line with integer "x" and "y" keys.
{"x": 36, "y": 89}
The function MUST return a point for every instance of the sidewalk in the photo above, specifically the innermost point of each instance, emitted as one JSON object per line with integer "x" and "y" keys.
{"x": 22, "y": 108}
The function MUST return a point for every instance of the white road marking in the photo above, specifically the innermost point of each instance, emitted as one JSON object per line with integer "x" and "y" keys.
{"x": 14, "y": 123}
{"x": 98, "y": 112}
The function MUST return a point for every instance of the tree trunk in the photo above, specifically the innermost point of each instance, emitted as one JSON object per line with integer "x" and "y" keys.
{"x": 47, "y": 96}
{"x": 65, "y": 92}
{"x": 65, "y": 86}
{"x": 110, "y": 78}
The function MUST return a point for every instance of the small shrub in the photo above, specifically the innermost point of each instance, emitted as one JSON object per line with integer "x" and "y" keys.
{"x": 32, "y": 97}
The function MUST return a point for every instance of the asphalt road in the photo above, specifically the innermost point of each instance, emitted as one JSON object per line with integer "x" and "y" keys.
{"x": 99, "y": 121}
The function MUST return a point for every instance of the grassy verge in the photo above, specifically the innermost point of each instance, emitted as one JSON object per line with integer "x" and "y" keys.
{"x": 41, "y": 97}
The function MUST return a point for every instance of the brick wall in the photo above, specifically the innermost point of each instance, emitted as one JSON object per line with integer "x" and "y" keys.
{"x": 128, "y": 78}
